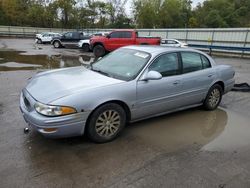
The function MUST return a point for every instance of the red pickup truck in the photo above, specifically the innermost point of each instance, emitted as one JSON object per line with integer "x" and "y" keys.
{"x": 118, "y": 38}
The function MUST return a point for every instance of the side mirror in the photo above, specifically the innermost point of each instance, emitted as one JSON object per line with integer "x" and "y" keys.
{"x": 108, "y": 36}
{"x": 152, "y": 75}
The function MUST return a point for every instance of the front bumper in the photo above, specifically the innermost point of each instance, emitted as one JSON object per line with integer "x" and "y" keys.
{"x": 53, "y": 127}
{"x": 79, "y": 44}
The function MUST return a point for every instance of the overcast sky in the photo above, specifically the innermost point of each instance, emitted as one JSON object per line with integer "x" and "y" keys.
{"x": 195, "y": 2}
{"x": 129, "y": 4}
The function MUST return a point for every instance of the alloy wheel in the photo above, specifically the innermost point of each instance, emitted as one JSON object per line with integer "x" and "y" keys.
{"x": 214, "y": 97}
{"x": 108, "y": 123}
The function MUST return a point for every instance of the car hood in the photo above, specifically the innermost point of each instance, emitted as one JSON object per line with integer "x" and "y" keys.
{"x": 84, "y": 41}
{"x": 98, "y": 37}
{"x": 51, "y": 85}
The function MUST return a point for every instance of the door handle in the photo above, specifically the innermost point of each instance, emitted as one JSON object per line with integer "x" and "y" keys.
{"x": 210, "y": 75}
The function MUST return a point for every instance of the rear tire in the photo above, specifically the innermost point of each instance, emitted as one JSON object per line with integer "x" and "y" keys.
{"x": 99, "y": 51}
{"x": 106, "y": 123}
{"x": 57, "y": 44}
{"x": 213, "y": 98}
{"x": 85, "y": 47}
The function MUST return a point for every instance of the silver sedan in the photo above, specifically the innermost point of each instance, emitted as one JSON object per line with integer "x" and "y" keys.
{"x": 128, "y": 85}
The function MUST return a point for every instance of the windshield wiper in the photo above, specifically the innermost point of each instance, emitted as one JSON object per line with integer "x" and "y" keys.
{"x": 100, "y": 71}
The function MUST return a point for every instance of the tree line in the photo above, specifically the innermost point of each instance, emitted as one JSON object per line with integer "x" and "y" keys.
{"x": 79, "y": 14}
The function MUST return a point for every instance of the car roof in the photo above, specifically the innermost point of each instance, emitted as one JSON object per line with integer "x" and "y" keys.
{"x": 159, "y": 49}
{"x": 156, "y": 50}
{"x": 168, "y": 39}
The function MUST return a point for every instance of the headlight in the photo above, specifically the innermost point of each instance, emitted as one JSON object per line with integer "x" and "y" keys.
{"x": 48, "y": 110}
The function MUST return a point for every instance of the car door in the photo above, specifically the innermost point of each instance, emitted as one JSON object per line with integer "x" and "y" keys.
{"x": 126, "y": 38}
{"x": 118, "y": 39}
{"x": 45, "y": 37}
{"x": 75, "y": 38}
{"x": 158, "y": 96}
{"x": 67, "y": 39}
{"x": 113, "y": 41}
{"x": 49, "y": 38}
{"x": 197, "y": 75}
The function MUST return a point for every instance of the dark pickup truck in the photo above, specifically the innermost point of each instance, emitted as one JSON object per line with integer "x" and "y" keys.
{"x": 69, "y": 39}
{"x": 119, "y": 38}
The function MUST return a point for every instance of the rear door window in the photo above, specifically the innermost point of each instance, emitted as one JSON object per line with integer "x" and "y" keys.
{"x": 191, "y": 61}
{"x": 205, "y": 62}
{"x": 68, "y": 35}
{"x": 126, "y": 34}
{"x": 171, "y": 42}
{"x": 115, "y": 35}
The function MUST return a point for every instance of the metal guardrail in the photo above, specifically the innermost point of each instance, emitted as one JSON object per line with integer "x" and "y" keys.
{"x": 223, "y": 49}
{"x": 15, "y": 31}
{"x": 236, "y": 40}
{"x": 220, "y": 47}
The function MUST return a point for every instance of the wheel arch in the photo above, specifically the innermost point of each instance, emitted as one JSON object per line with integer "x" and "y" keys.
{"x": 56, "y": 40}
{"x": 85, "y": 43}
{"x": 98, "y": 43}
{"x": 119, "y": 102}
{"x": 221, "y": 83}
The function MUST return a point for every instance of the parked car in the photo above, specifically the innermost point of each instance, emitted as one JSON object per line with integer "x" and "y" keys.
{"x": 85, "y": 44}
{"x": 120, "y": 38}
{"x": 69, "y": 39}
{"x": 46, "y": 37}
{"x": 173, "y": 43}
{"x": 128, "y": 85}
{"x": 40, "y": 34}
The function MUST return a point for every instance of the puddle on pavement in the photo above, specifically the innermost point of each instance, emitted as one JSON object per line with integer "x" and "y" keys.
{"x": 181, "y": 129}
{"x": 139, "y": 143}
{"x": 13, "y": 60}
{"x": 218, "y": 130}
{"x": 235, "y": 136}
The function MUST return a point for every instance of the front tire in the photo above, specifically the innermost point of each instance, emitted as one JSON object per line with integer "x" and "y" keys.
{"x": 106, "y": 123}
{"x": 57, "y": 44}
{"x": 99, "y": 51}
{"x": 85, "y": 47}
{"x": 213, "y": 98}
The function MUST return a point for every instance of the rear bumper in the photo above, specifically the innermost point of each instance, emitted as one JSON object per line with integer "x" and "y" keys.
{"x": 54, "y": 127}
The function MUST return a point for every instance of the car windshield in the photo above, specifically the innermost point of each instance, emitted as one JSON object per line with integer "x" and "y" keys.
{"x": 123, "y": 64}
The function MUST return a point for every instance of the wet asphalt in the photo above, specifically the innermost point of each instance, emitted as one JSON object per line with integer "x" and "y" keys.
{"x": 192, "y": 148}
